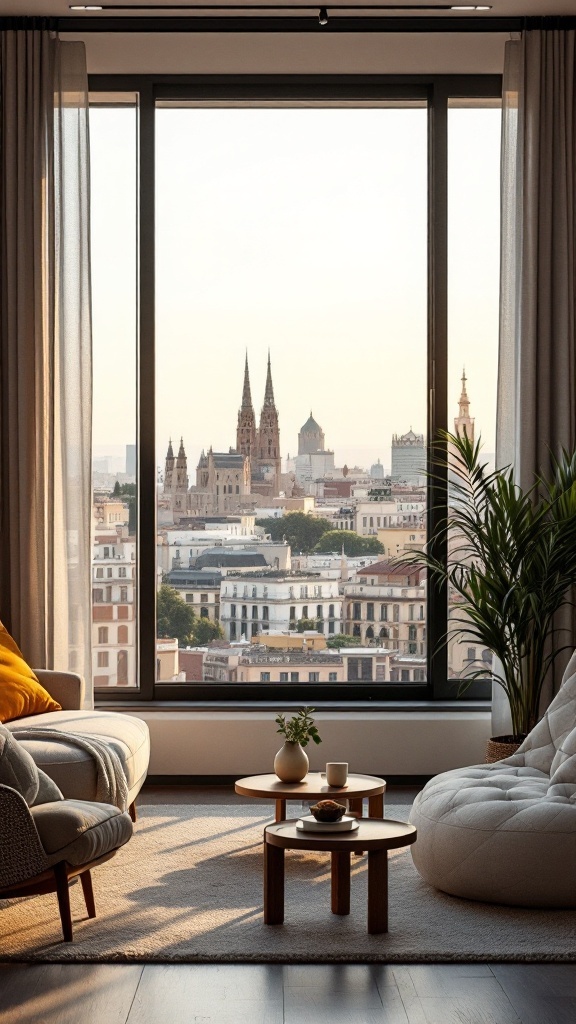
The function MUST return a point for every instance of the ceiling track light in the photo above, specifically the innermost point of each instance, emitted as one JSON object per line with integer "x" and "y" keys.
{"x": 322, "y": 18}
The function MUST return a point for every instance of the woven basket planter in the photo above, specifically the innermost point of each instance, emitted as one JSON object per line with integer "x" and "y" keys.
{"x": 499, "y": 747}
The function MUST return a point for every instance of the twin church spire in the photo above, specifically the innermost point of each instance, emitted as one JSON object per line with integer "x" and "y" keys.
{"x": 261, "y": 445}
{"x": 265, "y": 440}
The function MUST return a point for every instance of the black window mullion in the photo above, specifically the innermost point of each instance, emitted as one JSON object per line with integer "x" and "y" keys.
{"x": 146, "y": 402}
{"x": 437, "y": 595}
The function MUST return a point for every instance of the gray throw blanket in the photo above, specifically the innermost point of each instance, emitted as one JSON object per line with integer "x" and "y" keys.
{"x": 111, "y": 785}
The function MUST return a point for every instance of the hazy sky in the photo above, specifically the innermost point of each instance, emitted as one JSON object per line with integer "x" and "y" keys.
{"x": 302, "y": 231}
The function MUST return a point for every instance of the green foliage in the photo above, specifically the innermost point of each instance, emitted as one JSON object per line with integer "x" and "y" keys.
{"x": 343, "y": 640}
{"x": 174, "y": 618}
{"x": 352, "y": 542}
{"x": 122, "y": 489}
{"x": 512, "y": 562}
{"x": 203, "y": 631}
{"x": 301, "y": 530}
{"x": 128, "y": 493}
{"x": 300, "y": 728}
{"x": 305, "y": 624}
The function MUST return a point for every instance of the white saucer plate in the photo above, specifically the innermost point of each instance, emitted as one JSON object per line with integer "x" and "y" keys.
{"x": 309, "y": 824}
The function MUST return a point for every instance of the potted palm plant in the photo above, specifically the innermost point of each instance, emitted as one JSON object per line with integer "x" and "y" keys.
{"x": 510, "y": 568}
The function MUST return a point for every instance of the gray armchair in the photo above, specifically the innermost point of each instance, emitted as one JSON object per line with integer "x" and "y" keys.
{"x": 43, "y": 848}
{"x": 45, "y": 840}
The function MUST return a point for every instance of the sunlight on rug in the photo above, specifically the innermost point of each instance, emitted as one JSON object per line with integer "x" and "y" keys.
{"x": 188, "y": 888}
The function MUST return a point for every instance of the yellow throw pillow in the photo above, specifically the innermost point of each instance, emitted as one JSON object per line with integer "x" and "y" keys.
{"x": 20, "y": 692}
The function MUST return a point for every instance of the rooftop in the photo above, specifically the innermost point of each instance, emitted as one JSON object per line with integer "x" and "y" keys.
{"x": 290, "y": 658}
{"x": 222, "y": 557}
{"x": 193, "y": 578}
{"x": 392, "y": 569}
{"x": 275, "y": 574}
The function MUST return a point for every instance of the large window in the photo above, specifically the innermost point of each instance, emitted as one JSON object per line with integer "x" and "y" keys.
{"x": 317, "y": 264}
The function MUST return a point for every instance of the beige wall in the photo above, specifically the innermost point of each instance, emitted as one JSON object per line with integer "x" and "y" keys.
{"x": 245, "y": 742}
{"x": 227, "y": 53}
{"x": 396, "y": 540}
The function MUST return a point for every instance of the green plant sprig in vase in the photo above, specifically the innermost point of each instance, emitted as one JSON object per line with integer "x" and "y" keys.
{"x": 291, "y": 763}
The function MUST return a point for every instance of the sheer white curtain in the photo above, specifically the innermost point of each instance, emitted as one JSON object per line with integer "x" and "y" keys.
{"x": 537, "y": 363}
{"x": 45, "y": 350}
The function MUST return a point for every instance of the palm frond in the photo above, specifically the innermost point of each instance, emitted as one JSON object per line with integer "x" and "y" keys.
{"x": 511, "y": 561}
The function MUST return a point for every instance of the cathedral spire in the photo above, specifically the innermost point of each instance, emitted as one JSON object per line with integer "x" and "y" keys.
{"x": 181, "y": 452}
{"x": 464, "y": 401}
{"x": 246, "y": 428}
{"x": 464, "y": 423}
{"x": 169, "y": 468}
{"x": 269, "y": 392}
{"x": 246, "y": 393}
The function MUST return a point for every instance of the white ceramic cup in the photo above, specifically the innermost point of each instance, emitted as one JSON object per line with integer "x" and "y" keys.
{"x": 337, "y": 773}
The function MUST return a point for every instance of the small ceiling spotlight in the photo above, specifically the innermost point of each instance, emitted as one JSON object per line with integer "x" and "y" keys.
{"x": 323, "y": 16}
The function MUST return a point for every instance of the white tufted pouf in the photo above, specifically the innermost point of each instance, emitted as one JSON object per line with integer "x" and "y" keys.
{"x": 506, "y": 832}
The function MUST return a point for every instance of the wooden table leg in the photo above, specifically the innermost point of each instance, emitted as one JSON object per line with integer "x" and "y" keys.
{"x": 355, "y": 809}
{"x": 280, "y": 810}
{"x": 377, "y": 891}
{"x": 376, "y": 806}
{"x": 355, "y": 806}
{"x": 340, "y": 878}
{"x": 273, "y": 884}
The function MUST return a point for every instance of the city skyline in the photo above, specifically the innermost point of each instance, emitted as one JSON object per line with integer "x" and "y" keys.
{"x": 116, "y": 452}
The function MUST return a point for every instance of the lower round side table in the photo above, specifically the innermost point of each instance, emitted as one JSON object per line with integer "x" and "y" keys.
{"x": 374, "y": 835}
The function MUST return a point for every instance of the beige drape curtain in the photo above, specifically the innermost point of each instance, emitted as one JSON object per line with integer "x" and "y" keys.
{"x": 537, "y": 365}
{"x": 45, "y": 349}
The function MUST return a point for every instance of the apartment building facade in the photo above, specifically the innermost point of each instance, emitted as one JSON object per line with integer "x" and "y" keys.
{"x": 387, "y": 603}
{"x": 113, "y": 604}
{"x": 251, "y": 603}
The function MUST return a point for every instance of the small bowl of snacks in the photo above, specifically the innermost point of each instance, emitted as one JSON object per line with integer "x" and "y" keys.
{"x": 328, "y": 810}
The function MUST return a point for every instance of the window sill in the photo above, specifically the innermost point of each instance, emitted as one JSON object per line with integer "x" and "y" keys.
{"x": 396, "y": 707}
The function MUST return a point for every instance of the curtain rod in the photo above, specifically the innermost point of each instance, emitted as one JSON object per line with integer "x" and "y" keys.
{"x": 276, "y": 24}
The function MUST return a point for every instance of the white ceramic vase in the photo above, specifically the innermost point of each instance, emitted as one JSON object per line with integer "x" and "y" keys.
{"x": 291, "y": 762}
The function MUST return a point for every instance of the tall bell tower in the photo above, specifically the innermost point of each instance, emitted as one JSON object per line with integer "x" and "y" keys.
{"x": 169, "y": 468}
{"x": 463, "y": 423}
{"x": 268, "y": 438}
{"x": 246, "y": 429}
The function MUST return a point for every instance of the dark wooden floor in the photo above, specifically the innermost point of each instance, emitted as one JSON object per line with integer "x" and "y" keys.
{"x": 285, "y": 994}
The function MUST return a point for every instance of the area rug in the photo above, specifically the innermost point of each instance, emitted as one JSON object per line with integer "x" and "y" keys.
{"x": 188, "y": 888}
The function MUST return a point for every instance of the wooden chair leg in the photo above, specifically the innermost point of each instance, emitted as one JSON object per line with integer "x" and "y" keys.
{"x": 86, "y": 880}
{"x": 63, "y": 892}
{"x": 132, "y": 810}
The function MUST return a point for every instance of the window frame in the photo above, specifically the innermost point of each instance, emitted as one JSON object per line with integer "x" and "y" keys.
{"x": 437, "y": 91}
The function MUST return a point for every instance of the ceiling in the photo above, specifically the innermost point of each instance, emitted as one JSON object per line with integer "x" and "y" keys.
{"x": 500, "y": 8}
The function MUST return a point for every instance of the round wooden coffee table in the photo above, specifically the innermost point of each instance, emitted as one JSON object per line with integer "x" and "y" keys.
{"x": 375, "y": 836}
{"x": 315, "y": 787}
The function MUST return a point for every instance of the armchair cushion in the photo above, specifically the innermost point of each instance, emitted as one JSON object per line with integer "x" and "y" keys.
{"x": 78, "y": 832}
{"x": 18, "y": 770}
{"x": 20, "y": 691}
